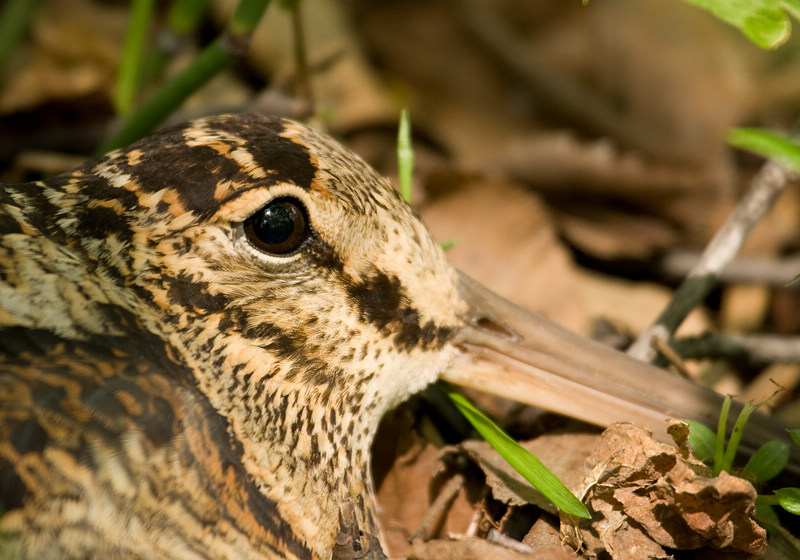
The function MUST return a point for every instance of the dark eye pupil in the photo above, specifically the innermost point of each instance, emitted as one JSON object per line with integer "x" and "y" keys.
{"x": 278, "y": 228}
{"x": 275, "y": 224}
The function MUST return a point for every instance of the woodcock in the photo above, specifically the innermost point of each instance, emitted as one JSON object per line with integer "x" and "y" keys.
{"x": 201, "y": 332}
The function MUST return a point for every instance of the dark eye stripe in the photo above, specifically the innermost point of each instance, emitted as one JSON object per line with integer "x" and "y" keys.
{"x": 279, "y": 228}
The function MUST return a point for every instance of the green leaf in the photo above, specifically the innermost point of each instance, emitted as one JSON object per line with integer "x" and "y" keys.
{"x": 522, "y": 460}
{"x": 773, "y": 145}
{"x": 789, "y": 499}
{"x": 765, "y": 22}
{"x": 768, "y": 461}
{"x": 702, "y": 439}
{"x": 795, "y": 435}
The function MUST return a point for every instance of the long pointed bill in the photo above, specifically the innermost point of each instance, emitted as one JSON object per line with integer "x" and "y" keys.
{"x": 513, "y": 353}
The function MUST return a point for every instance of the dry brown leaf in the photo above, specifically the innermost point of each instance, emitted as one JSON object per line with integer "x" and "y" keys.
{"x": 507, "y": 242}
{"x": 647, "y": 495}
{"x": 404, "y": 497}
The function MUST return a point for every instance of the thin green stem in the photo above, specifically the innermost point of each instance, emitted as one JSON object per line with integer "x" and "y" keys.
{"x": 184, "y": 15}
{"x": 405, "y": 156}
{"x": 767, "y": 500}
{"x": 183, "y": 18}
{"x": 303, "y": 77}
{"x": 719, "y": 444}
{"x": 214, "y": 58}
{"x": 128, "y": 79}
{"x": 736, "y": 436}
{"x": 246, "y": 17}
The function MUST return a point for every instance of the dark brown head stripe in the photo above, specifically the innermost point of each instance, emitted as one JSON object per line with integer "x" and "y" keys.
{"x": 194, "y": 171}
{"x": 381, "y": 301}
{"x": 283, "y": 159}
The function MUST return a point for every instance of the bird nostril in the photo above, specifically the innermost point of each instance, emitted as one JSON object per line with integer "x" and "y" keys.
{"x": 489, "y": 324}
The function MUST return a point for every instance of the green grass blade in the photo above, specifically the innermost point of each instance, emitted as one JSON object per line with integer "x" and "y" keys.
{"x": 522, "y": 460}
{"x": 207, "y": 64}
{"x": 246, "y": 17}
{"x": 184, "y": 15}
{"x": 719, "y": 444}
{"x": 768, "y": 143}
{"x": 405, "y": 156}
{"x": 132, "y": 55}
{"x": 736, "y": 437}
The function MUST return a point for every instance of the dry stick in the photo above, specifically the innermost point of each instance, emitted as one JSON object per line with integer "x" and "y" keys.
{"x": 438, "y": 508}
{"x": 754, "y": 348}
{"x": 675, "y": 360}
{"x": 764, "y": 189}
{"x": 496, "y": 537}
{"x": 777, "y": 272}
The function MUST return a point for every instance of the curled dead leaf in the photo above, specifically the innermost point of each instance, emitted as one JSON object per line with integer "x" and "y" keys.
{"x": 647, "y": 496}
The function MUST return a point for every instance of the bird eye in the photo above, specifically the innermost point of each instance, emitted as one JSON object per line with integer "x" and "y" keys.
{"x": 278, "y": 228}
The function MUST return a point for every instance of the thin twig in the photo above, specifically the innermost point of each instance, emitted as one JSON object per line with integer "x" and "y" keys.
{"x": 496, "y": 537}
{"x": 777, "y": 272}
{"x": 438, "y": 508}
{"x": 756, "y": 349}
{"x": 672, "y": 357}
{"x": 764, "y": 189}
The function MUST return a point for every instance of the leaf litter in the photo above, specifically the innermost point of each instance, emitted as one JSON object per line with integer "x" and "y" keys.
{"x": 648, "y": 500}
